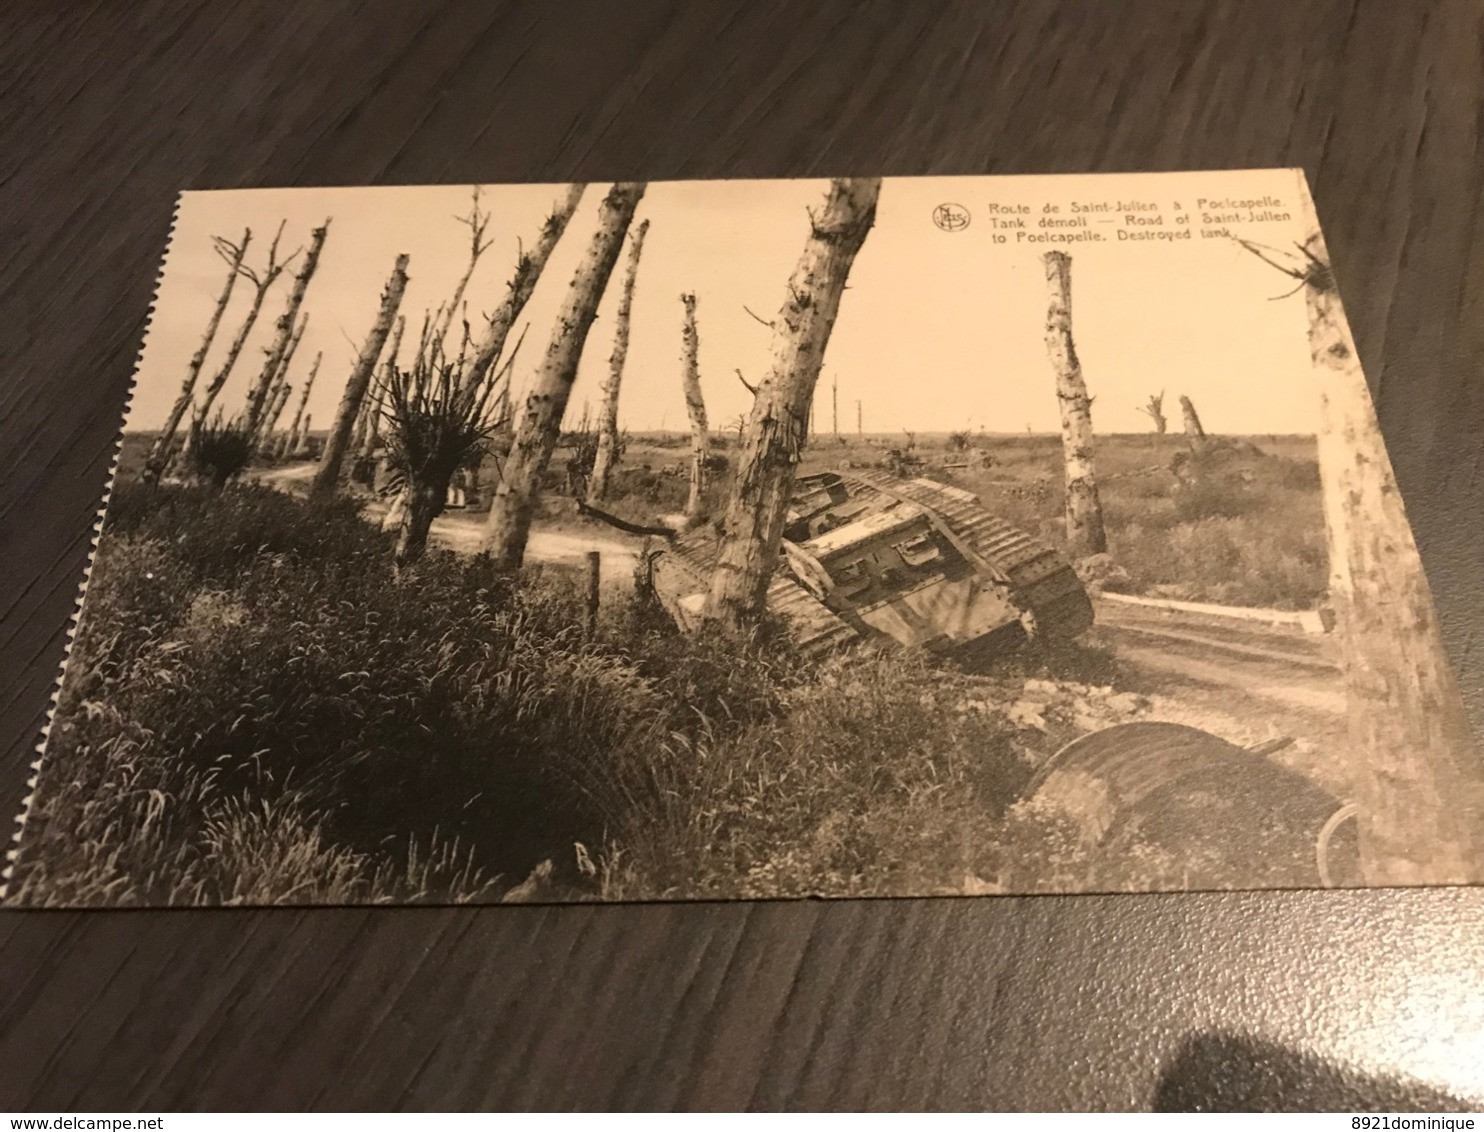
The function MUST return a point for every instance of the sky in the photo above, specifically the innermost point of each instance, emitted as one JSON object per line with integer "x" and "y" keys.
{"x": 938, "y": 330}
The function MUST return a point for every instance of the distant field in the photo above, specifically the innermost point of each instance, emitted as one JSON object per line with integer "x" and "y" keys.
{"x": 1250, "y": 535}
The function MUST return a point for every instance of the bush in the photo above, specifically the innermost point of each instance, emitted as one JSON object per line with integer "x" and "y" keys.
{"x": 214, "y": 535}
{"x": 220, "y": 451}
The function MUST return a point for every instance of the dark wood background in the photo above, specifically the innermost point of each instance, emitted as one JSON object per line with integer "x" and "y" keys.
{"x": 1280, "y": 999}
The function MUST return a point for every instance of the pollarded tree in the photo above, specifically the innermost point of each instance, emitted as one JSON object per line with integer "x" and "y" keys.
{"x": 539, "y": 420}
{"x": 1084, "y": 510}
{"x": 607, "y": 452}
{"x": 268, "y": 438}
{"x": 376, "y": 413}
{"x": 436, "y": 423}
{"x": 776, "y": 429}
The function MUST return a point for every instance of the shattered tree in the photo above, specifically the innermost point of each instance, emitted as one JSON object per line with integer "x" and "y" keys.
{"x": 695, "y": 407}
{"x": 299, "y": 446}
{"x": 1421, "y": 800}
{"x": 775, "y": 432}
{"x": 528, "y": 271}
{"x": 267, "y": 432}
{"x": 377, "y": 412}
{"x": 1084, "y": 510}
{"x": 337, "y": 444}
{"x": 607, "y": 453}
{"x": 1194, "y": 433}
{"x": 540, "y": 418}
{"x": 478, "y": 222}
{"x": 294, "y": 440}
{"x": 257, "y": 401}
{"x": 261, "y": 282}
{"x": 233, "y": 255}
{"x": 280, "y": 382}
{"x": 480, "y": 368}
{"x": 1155, "y": 411}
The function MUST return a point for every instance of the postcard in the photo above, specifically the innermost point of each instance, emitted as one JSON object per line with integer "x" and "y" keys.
{"x": 750, "y": 539}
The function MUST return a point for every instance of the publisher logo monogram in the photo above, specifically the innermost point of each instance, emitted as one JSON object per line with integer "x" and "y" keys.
{"x": 951, "y": 217}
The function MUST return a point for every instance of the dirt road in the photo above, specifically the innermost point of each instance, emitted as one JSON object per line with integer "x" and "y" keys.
{"x": 1245, "y": 682}
{"x": 619, "y": 555}
{"x": 464, "y": 532}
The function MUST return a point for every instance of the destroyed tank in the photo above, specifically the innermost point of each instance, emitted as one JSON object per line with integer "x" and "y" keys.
{"x": 871, "y": 557}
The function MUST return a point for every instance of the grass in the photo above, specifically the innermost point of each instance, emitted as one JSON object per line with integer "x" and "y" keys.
{"x": 260, "y": 709}
{"x": 1249, "y": 531}
{"x": 263, "y": 667}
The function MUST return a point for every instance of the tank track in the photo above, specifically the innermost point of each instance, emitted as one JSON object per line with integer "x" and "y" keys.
{"x": 815, "y": 629}
{"x": 1041, "y": 581}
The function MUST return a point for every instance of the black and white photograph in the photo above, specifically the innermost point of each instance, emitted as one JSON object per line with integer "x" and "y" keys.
{"x": 706, "y": 540}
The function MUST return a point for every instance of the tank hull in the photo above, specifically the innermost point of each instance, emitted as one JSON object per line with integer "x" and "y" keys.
{"x": 906, "y": 563}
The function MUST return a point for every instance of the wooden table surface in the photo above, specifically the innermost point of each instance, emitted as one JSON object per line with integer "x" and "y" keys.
{"x": 1336, "y": 999}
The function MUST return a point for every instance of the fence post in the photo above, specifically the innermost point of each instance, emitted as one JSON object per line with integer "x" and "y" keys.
{"x": 594, "y": 576}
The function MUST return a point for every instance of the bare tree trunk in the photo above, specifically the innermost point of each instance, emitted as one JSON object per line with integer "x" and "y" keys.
{"x": 1421, "y": 801}
{"x": 396, "y": 512}
{"x": 1194, "y": 433}
{"x": 478, "y": 222}
{"x": 546, "y": 402}
{"x": 775, "y": 430}
{"x": 695, "y": 405}
{"x": 327, "y": 478}
{"x": 294, "y": 440}
{"x": 835, "y": 407}
{"x": 378, "y": 402}
{"x": 527, "y": 272}
{"x": 421, "y": 504}
{"x": 860, "y": 422}
{"x": 1085, "y": 534}
{"x": 280, "y": 380}
{"x": 363, "y": 420}
{"x": 594, "y": 591}
{"x": 267, "y": 435}
{"x": 1155, "y": 411}
{"x": 258, "y": 398}
{"x": 607, "y": 454}
{"x": 234, "y": 254}
{"x": 261, "y": 284}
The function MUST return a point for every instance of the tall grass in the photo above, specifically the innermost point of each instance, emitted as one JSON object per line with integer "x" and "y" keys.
{"x": 1256, "y": 541}
{"x": 872, "y": 780}
{"x": 246, "y": 662}
{"x": 260, "y": 709}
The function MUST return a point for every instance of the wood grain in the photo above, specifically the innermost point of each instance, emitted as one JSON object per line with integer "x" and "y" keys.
{"x": 109, "y": 109}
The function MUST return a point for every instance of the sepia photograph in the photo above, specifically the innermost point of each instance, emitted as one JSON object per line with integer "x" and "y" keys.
{"x": 866, "y": 537}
